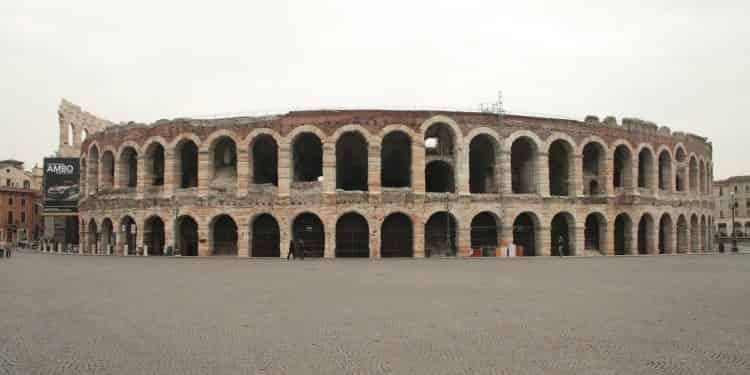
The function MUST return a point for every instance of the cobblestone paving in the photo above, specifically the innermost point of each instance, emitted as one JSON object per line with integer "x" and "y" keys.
{"x": 62, "y": 314}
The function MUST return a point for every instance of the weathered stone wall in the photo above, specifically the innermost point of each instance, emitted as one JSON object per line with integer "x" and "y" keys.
{"x": 72, "y": 118}
{"x": 244, "y": 202}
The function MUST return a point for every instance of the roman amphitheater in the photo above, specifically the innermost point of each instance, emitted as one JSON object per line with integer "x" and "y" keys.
{"x": 383, "y": 183}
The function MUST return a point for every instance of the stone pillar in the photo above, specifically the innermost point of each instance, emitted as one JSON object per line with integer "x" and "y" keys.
{"x": 506, "y": 175}
{"x": 607, "y": 236}
{"x": 285, "y": 168}
{"x": 652, "y": 241}
{"x": 373, "y": 168}
{"x": 580, "y": 241}
{"x": 374, "y": 240}
{"x": 461, "y": 161}
{"x": 139, "y": 239}
{"x": 243, "y": 238}
{"x": 671, "y": 247}
{"x": 205, "y": 173}
{"x": 542, "y": 175}
{"x": 417, "y": 169}
{"x": 464, "y": 235}
{"x": 608, "y": 174}
{"x": 329, "y": 228}
{"x": 83, "y": 240}
{"x": 170, "y": 178}
{"x": 544, "y": 243}
{"x": 418, "y": 236}
{"x": 204, "y": 249}
{"x": 632, "y": 185}
{"x": 285, "y": 235}
{"x": 141, "y": 183}
{"x": 576, "y": 177}
{"x": 632, "y": 249}
{"x": 243, "y": 171}
{"x": 505, "y": 233}
{"x": 169, "y": 233}
{"x": 329, "y": 167}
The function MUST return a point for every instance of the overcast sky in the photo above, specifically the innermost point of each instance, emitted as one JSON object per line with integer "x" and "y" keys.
{"x": 681, "y": 64}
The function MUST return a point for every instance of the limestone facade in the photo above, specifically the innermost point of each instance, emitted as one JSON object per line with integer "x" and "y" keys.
{"x": 333, "y": 179}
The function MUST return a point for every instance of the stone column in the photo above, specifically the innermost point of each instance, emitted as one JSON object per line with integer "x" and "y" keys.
{"x": 329, "y": 229}
{"x": 671, "y": 246}
{"x": 544, "y": 243}
{"x": 608, "y": 174}
{"x": 141, "y": 183}
{"x": 652, "y": 241}
{"x": 139, "y": 244}
{"x": 417, "y": 169}
{"x": 243, "y": 239}
{"x": 607, "y": 236}
{"x": 464, "y": 236}
{"x": 461, "y": 161}
{"x": 633, "y": 241}
{"x": 374, "y": 241}
{"x": 204, "y": 249}
{"x": 506, "y": 175}
{"x": 373, "y": 168}
{"x": 243, "y": 171}
{"x": 170, "y": 178}
{"x": 418, "y": 237}
{"x": 285, "y": 170}
{"x": 329, "y": 168}
{"x": 542, "y": 174}
{"x": 576, "y": 177}
{"x": 632, "y": 185}
{"x": 285, "y": 235}
{"x": 580, "y": 241}
{"x": 205, "y": 172}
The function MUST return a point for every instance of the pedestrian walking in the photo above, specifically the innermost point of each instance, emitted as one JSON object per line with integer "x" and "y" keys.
{"x": 292, "y": 249}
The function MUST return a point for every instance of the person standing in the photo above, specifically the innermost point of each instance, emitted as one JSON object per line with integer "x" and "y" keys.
{"x": 292, "y": 250}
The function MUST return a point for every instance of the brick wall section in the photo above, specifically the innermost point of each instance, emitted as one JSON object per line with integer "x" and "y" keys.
{"x": 244, "y": 202}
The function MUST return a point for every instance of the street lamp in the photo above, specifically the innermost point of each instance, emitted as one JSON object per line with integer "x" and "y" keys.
{"x": 734, "y": 233}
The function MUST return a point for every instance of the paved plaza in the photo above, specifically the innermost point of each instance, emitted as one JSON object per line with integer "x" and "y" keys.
{"x": 68, "y": 314}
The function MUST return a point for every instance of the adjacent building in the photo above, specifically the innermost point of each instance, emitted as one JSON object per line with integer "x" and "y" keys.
{"x": 19, "y": 202}
{"x": 734, "y": 191}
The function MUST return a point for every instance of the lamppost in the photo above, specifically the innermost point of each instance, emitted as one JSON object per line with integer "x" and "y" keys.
{"x": 734, "y": 233}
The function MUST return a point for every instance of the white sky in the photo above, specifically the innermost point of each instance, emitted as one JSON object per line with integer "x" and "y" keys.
{"x": 682, "y": 64}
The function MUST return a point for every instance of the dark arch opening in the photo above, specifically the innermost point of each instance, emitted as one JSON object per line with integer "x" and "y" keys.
{"x": 693, "y": 169}
{"x": 622, "y": 168}
{"x": 129, "y": 168}
{"x": 351, "y": 162}
{"x": 187, "y": 236}
{"x": 645, "y": 228}
{"x": 395, "y": 159}
{"x": 524, "y": 233}
{"x": 440, "y": 235}
{"x": 484, "y": 231}
{"x": 108, "y": 170}
{"x": 93, "y": 237}
{"x": 645, "y": 169}
{"x": 559, "y": 161}
{"x": 665, "y": 171}
{"x": 444, "y": 141}
{"x": 352, "y": 236}
{"x": 128, "y": 229}
{"x": 155, "y": 164}
{"x": 682, "y": 235}
{"x": 224, "y": 159}
{"x": 694, "y": 234}
{"x": 93, "y": 172}
{"x": 522, "y": 159}
{"x": 482, "y": 154}
{"x": 307, "y": 158}
{"x": 153, "y": 235}
{"x": 265, "y": 154}
{"x": 623, "y": 234}
{"x": 224, "y": 236}
{"x": 594, "y": 232}
{"x": 397, "y": 237}
{"x": 439, "y": 177}
{"x": 187, "y": 167}
{"x": 593, "y": 165}
{"x": 308, "y": 232}
{"x": 562, "y": 231}
{"x": 108, "y": 236}
{"x": 266, "y": 237}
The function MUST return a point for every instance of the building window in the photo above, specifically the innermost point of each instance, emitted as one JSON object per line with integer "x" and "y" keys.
{"x": 7, "y": 182}
{"x": 736, "y": 189}
{"x": 721, "y": 214}
{"x": 10, "y": 200}
{"x": 721, "y": 191}
{"x": 23, "y": 218}
{"x": 23, "y": 202}
{"x": 10, "y": 218}
{"x": 27, "y": 185}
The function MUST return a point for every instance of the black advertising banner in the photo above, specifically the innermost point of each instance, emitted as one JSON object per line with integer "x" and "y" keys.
{"x": 61, "y": 190}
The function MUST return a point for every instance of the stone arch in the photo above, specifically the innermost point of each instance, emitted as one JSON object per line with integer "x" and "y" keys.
{"x": 352, "y": 151}
{"x": 128, "y": 229}
{"x": 693, "y": 173}
{"x": 265, "y": 236}
{"x": 595, "y": 231}
{"x": 622, "y": 165}
{"x": 352, "y": 236}
{"x": 702, "y": 176}
{"x": 666, "y": 234}
{"x": 646, "y": 165}
{"x": 92, "y": 235}
{"x": 694, "y": 234}
{"x": 107, "y": 169}
{"x": 680, "y": 156}
{"x": 560, "y": 150}
{"x": 623, "y": 234}
{"x": 524, "y": 155}
{"x": 186, "y": 169}
{"x": 441, "y": 119}
{"x": 186, "y": 242}
{"x": 439, "y": 177}
{"x": 223, "y": 235}
{"x": 484, "y": 231}
{"x": 646, "y": 240}
{"x": 665, "y": 169}
{"x": 397, "y": 236}
{"x": 154, "y": 155}
{"x": 563, "y": 234}
{"x": 441, "y": 234}
{"x": 154, "y": 235}
{"x": 352, "y": 128}
{"x": 93, "y": 169}
{"x": 396, "y": 158}
{"x": 263, "y": 151}
{"x": 593, "y": 153}
{"x": 71, "y": 139}
{"x": 127, "y": 165}
{"x": 224, "y": 155}
{"x": 484, "y": 151}
{"x": 704, "y": 234}
{"x": 107, "y": 236}
{"x": 307, "y": 156}
{"x": 526, "y": 233}
{"x": 309, "y": 231}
